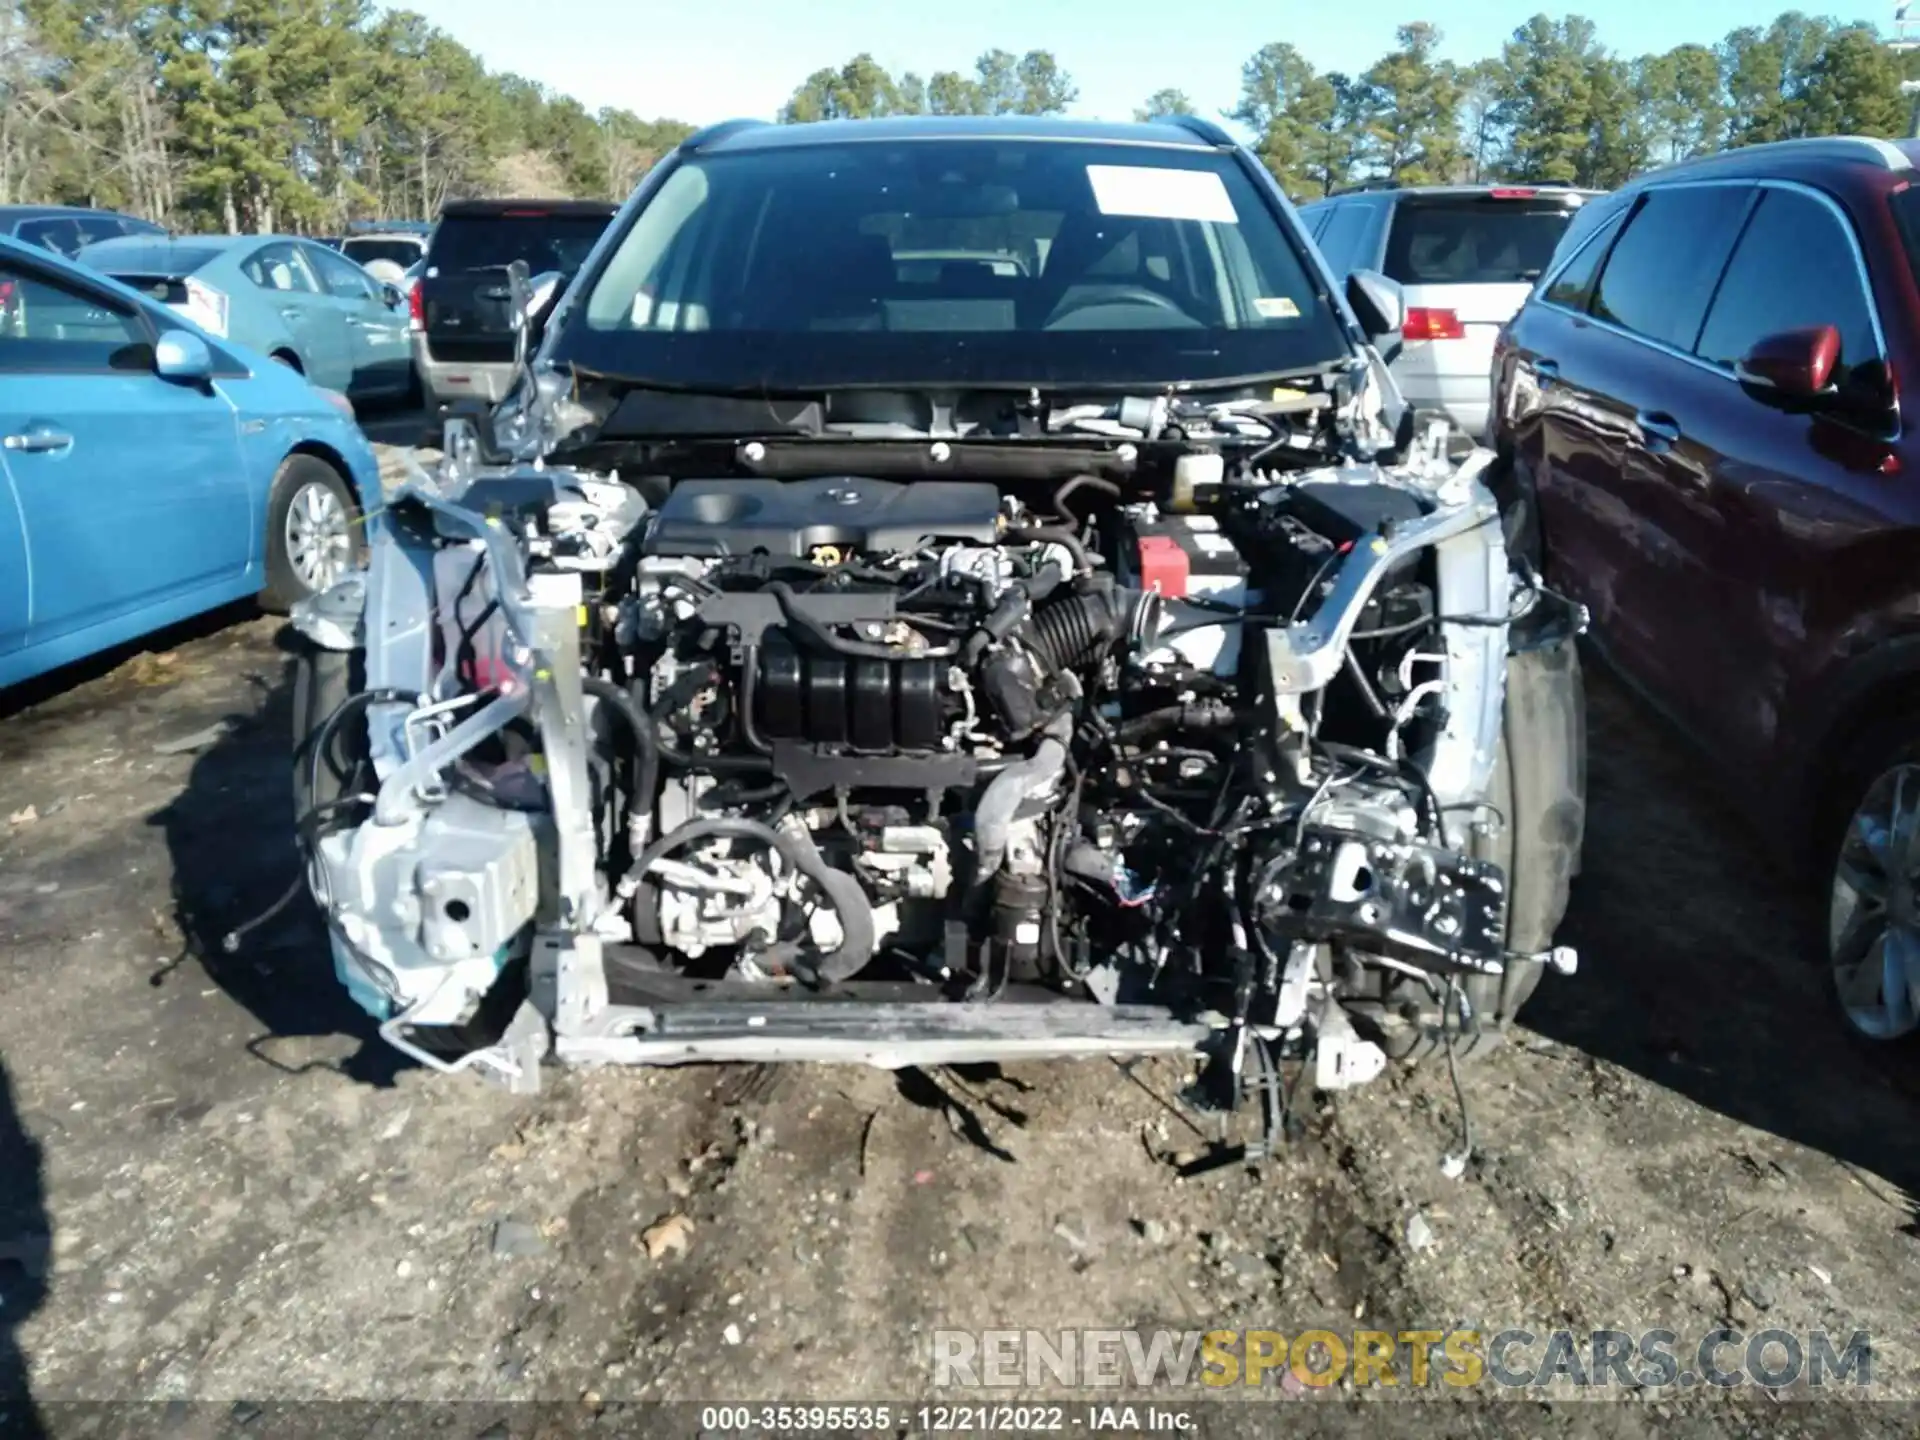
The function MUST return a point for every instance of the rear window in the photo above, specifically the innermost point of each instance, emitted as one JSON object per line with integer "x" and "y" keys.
{"x": 485, "y": 242}
{"x": 1474, "y": 239}
{"x": 364, "y": 252}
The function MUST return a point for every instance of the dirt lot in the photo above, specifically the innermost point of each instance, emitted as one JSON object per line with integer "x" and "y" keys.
{"x": 216, "y": 1185}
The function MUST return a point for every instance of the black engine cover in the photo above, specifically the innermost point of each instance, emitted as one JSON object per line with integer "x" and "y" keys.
{"x": 795, "y": 518}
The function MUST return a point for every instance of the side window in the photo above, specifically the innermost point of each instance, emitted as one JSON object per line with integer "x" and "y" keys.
{"x": 1345, "y": 230}
{"x": 279, "y": 268}
{"x": 342, "y": 277}
{"x": 1573, "y": 285}
{"x": 1661, "y": 271}
{"x": 47, "y": 327}
{"x": 1794, "y": 267}
{"x": 57, "y": 233}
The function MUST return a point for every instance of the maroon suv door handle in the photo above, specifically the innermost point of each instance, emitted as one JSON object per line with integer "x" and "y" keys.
{"x": 1658, "y": 425}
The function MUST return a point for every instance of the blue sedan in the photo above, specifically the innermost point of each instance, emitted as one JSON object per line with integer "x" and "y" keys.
{"x": 295, "y": 300}
{"x": 149, "y": 471}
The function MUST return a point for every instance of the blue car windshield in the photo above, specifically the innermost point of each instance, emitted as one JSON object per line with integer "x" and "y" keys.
{"x": 952, "y": 261}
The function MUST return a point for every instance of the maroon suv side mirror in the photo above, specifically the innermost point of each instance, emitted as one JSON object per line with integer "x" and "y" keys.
{"x": 1797, "y": 364}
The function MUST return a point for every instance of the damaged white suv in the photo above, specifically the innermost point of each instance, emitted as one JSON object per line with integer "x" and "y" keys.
{"x": 944, "y": 590}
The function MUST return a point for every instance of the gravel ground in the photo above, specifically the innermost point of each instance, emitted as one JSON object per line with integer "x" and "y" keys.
{"x": 216, "y": 1185}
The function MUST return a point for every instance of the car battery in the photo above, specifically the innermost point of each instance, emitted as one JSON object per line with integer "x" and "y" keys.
{"x": 1186, "y": 557}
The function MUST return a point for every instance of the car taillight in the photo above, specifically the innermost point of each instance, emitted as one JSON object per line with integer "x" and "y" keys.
{"x": 206, "y": 307}
{"x": 1425, "y": 324}
{"x": 416, "y": 307}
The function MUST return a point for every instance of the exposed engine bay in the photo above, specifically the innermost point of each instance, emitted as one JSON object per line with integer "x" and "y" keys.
{"x": 955, "y": 759}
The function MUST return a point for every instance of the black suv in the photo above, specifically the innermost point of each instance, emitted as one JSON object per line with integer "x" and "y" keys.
{"x": 462, "y": 335}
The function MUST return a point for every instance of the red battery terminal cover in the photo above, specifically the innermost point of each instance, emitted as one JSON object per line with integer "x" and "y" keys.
{"x": 1164, "y": 566}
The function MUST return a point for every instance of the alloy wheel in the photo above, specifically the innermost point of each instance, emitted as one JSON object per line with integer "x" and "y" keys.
{"x": 1873, "y": 932}
{"x": 318, "y": 537}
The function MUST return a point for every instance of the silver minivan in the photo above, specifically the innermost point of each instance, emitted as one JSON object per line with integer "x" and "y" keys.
{"x": 1467, "y": 257}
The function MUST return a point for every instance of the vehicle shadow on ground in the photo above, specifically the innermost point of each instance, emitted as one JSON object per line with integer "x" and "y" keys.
{"x": 229, "y": 834}
{"x": 26, "y": 1259}
{"x": 1700, "y": 963}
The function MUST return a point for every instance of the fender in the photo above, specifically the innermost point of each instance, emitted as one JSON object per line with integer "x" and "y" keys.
{"x": 1853, "y": 692}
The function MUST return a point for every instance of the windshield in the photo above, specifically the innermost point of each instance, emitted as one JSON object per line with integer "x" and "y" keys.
{"x": 988, "y": 262}
{"x": 1474, "y": 239}
{"x": 484, "y": 242}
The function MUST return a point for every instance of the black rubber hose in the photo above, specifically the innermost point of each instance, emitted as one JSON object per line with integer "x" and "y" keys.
{"x": 749, "y": 682}
{"x": 1195, "y": 715}
{"x": 646, "y": 734}
{"x": 643, "y": 776}
{"x": 848, "y": 900}
{"x": 321, "y": 737}
{"x": 1081, "y": 482}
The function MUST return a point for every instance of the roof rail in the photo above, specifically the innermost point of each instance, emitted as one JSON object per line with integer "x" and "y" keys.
{"x": 1363, "y": 186}
{"x": 1198, "y": 125}
{"x": 1863, "y": 149}
{"x": 713, "y": 134}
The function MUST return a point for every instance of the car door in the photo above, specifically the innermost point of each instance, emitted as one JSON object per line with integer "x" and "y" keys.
{"x": 1789, "y": 498}
{"x": 285, "y": 280}
{"x": 382, "y": 353}
{"x": 129, "y": 488}
{"x": 1622, "y": 382}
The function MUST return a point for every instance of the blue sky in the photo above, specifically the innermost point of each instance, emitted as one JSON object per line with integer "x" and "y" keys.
{"x": 713, "y": 59}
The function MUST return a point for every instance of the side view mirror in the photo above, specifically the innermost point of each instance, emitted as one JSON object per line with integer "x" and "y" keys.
{"x": 393, "y": 295}
{"x": 183, "y": 358}
{"x": 1793, "y": 364}
{"x": 1379, "y": 304}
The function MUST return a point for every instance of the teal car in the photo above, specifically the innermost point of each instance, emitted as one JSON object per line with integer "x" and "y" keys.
{"x": 289, "y": 298}
{"x": 150, "y": 471}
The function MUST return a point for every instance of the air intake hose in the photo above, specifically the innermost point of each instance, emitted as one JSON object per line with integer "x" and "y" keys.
{"x": 1077, "y": 629}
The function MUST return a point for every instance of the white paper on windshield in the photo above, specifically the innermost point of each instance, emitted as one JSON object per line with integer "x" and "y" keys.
{"x": 1161, "y": 194}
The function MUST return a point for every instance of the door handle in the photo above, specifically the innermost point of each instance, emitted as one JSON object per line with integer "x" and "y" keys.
{"x": 1546, "y": 372}
{"x": 1658, "y": 425}
{"x": 38, "y": 440}
{"x": 353, "y": 324}
{"x": 291, "y": 312}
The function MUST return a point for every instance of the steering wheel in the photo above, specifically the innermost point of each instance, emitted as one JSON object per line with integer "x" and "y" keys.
{"x": 1120, "y": 294}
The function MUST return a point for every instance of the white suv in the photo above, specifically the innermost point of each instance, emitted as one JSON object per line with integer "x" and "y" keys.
{"x": 1467, "y": 256}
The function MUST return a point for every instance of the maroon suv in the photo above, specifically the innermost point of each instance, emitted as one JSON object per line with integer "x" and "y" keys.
{"x": 1699, "y": 417}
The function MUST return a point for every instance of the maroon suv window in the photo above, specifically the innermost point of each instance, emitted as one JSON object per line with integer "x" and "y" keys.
{"x": 1574, "y": 284}
{"x": 1661, "y": 271}
{"x": 1794, "y": 267}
